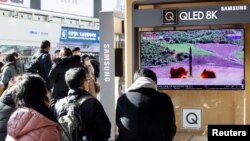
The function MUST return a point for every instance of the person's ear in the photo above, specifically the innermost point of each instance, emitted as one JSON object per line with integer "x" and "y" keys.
{"x": 84, "y": 85}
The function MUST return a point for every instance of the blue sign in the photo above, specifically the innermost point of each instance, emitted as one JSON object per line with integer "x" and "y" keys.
{"x": 79, "y": 35}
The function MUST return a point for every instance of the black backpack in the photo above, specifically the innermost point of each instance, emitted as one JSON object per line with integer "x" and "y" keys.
{"x": 33, "y": 66}
{"x": 70, "y": 119}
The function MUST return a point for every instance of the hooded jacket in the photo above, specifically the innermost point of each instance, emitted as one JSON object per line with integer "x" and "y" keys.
{"x": 26, "y": 124}
{"x": 144, "y": 114}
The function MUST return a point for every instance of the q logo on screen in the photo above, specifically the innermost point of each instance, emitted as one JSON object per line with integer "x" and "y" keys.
{"x": 170, "y": 16}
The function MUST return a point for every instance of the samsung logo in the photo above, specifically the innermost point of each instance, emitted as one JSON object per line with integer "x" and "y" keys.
{"x": 106, "y": 63}
{"x": 234, "y": 8}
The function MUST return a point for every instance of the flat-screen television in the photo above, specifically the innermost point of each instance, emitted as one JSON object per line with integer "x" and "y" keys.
{"x": 209, "y": 59}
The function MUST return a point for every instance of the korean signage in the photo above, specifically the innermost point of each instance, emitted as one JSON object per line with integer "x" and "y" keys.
{"x": 79, "y": 35}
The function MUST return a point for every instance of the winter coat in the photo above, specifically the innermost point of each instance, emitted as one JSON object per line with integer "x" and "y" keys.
{"x": 7, "y": 107}
{"x": 26, "y": 124}
{"x": 45, "y": 64}
{"x": 144, "y": 114}
{"x": 8, "y": 72}
{"x": 57, "y": 75}
{"x": 95, "y": 120}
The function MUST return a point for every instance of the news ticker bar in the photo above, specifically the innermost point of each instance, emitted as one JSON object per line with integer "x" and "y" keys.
{"x": 235, "y": 132}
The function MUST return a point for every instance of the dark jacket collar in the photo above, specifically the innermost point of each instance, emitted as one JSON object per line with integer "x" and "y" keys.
{"x": 42, "y": 51}
{"x": 78, "y": 92}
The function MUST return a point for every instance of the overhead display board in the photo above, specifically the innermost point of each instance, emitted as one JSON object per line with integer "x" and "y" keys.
{"x": 74, "y": 7}
{"x": 188, "y": 16}
{"x": 79, "y": 35}
{"x": 87, "y": 40}
{"x": 21, "y": 3}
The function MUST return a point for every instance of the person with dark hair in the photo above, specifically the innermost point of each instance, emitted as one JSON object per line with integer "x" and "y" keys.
{"x": 64, "y": 62}
{"x": 76, "y": 51}
{"x": 32, "y": 120}
{"x": 45, "y": 62}
{"x": 84, "y": 57}
{"x": 9, "y": 70}
{"x": 95, "y": 121}
{"x": 96, "y": 71}
{"x": 7, "y": 106}
{"x": 96, "y": 65}
{"x": 57, "y": 52}
{"x": 45, "y": 44}
{"x": 143, "y": 113}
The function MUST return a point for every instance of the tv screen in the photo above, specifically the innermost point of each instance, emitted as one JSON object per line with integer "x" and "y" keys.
{"x": 209, "y": 59}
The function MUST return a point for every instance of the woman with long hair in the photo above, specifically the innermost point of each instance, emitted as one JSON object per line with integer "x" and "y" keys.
{"x": 32, "y": 120}
{"x": 7, "y": 106}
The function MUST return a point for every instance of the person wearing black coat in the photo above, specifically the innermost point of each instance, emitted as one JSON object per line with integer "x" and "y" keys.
{"x": 7, "y": 107}
{"x": 57, "y": 72}
{"x": 45, "y": 62}
{"x": 143, "y": 113}
{"x": 95, "y": 120}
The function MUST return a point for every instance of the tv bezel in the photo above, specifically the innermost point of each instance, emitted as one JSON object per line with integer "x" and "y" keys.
{"x": 199, "y": 87}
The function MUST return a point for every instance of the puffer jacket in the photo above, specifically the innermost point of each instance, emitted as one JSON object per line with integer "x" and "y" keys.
{"x": 7, "y": 107}
{"x": 26, "y": 124}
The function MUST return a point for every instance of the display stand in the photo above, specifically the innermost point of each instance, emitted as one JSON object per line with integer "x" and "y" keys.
{"x": 111, "y": 32}
{"x": 218, "y": 107}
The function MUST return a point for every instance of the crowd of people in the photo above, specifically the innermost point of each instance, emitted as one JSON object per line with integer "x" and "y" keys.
{"x": 31, "y": 104}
